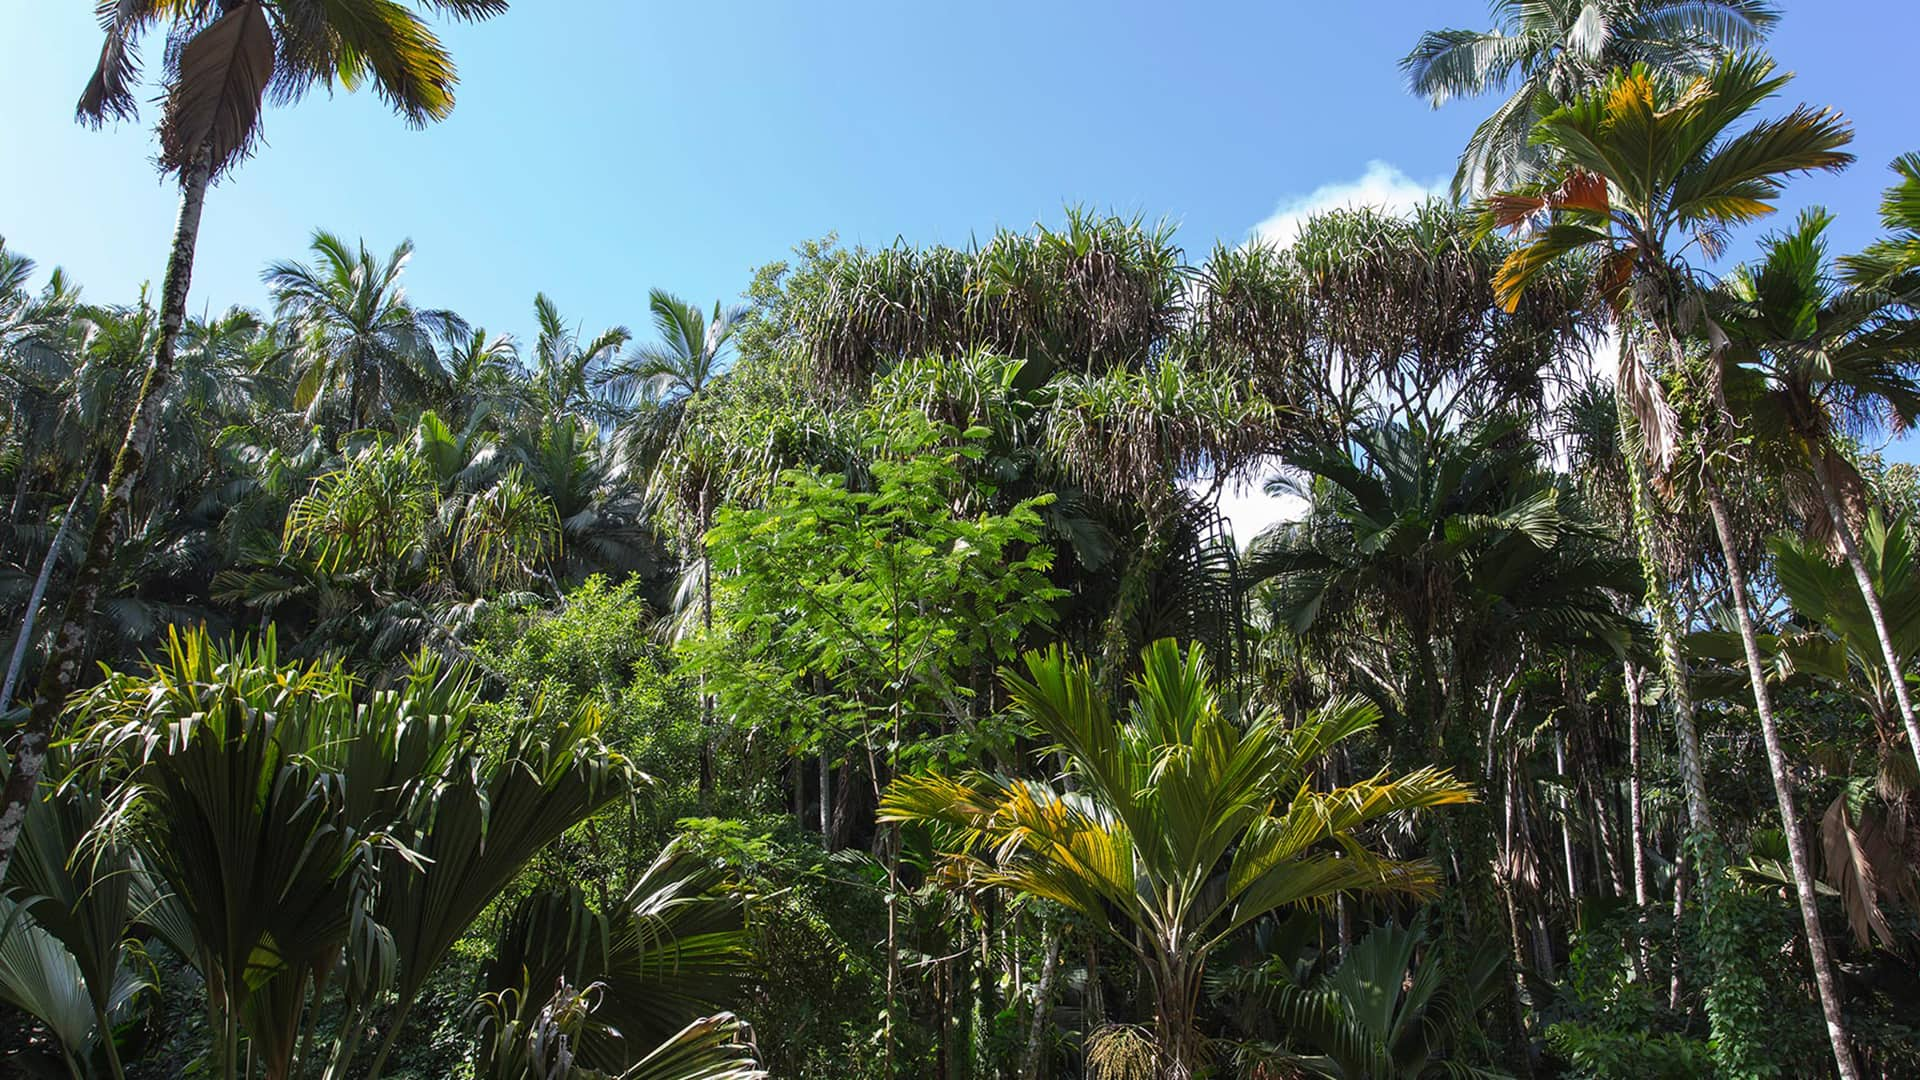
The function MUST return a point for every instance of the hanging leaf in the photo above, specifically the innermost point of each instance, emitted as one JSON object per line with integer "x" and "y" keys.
{"x": 1863, "y": 864}
{"x": 214, "y": 104}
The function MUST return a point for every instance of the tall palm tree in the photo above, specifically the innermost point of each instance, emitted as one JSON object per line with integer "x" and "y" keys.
{"x": 1553, "y": 51}
{"x": 1460, "y": 541}
{"x": 1643, "y": 170}
{"x": 690, "y": 355}
{"x": 222, "y": 57}
{"x": 1819, "y": 369}
{"x": 1180, "y": 826}
{"x": 354, "y": 333}
{"x": 664, "y": 380}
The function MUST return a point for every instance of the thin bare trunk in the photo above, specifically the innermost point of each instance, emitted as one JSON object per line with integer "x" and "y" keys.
{"x": 1636, "y": 821}
{"x": 1673, "y": 662}
{"x": 706, "y": 624}
{"x": 826, "y": 797}
{"x": 1778, "y": 767}
{"x": 1566, "y": 812}
{"x": 39, "y": 594}
{"x": 1033, "y": 1065}
{"x": 1848, "y": 544}
{"x": 1675, "y": 987}
{"x": 66, "y": 663}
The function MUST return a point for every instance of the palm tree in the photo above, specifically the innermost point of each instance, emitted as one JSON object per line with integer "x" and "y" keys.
{"x": 65, "y": 958}
{"x": 1865, "y": 858}
{"x": 482, "y": 377}
{"x": 353, "y": 332}
{"x": 665, "y": 380}
{"x": 1179, "y": 826}
{"x": 1818, "y": 368}
{"x": 1893, "y": 262}
{"x": 1461, "y": 541}
{"x": 1642, "y": 171}
{"x": 566, "y": 369}
{"x": 670, "y": 950}
{"x": 1384, "y": 1012}
{"x": 222, "y": 57}
{"x": 690, "y": 355}
{"x": 1554, "y": 51}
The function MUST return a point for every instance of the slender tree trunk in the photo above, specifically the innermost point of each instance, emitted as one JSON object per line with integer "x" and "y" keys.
{"x": 1566, "y": 813}
{"x": 1519, "y": 994}
{"x": 1034, "y": 1065}
{"x": 1844, "y": 530}
{"x": 1636, "y": 820}
{"x": 1782, "y": 787}
{"x": 65, "y": 666}
{"x": 706, "y": 624}
{"x": 1673, "y": 662}
{"x": 38, "y": 594}
{"x": 826, "y": 797}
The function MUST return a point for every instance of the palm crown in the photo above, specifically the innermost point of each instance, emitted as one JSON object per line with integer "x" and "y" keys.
{"x": 1555, "y": 50}
{"x": 231, "y": 53}
{"x": 1645, "y": 170}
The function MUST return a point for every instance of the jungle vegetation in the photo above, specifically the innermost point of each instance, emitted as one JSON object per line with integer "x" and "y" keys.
{"x": 858, "y": 678}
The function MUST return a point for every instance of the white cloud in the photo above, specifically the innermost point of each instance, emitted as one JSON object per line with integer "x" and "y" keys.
{"x": 1381, "y": 186}
{"x": 1249, "y": 510}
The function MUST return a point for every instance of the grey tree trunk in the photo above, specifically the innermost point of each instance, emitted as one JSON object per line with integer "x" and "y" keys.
{"x": 1636, "y": 823}
{"x": 1034, "y": 1063}
{"x": 1566, "y": 811}
{"x": 1844, "y": 529}
{"x": 826, "y": 797}
{"x": 38, "y": 594}
{"x": 1782, "y": 788}
{"x": 66, "y": 661}
{"x": 706, "y": 624}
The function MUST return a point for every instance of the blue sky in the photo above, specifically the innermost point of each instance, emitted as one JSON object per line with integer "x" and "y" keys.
{"x": 631, "y": 145}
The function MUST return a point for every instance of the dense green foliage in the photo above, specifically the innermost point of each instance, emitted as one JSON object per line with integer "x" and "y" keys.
{"x": 862, "y": 681}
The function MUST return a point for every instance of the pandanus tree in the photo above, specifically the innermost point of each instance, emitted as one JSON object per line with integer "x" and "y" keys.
{"x": 1642, "y": 170}
{"x": 224, "y": 57}
{"x": 1179, "y": 825}
{"x": 1554, "y": 51}
{"x": 1813, "y": 368}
